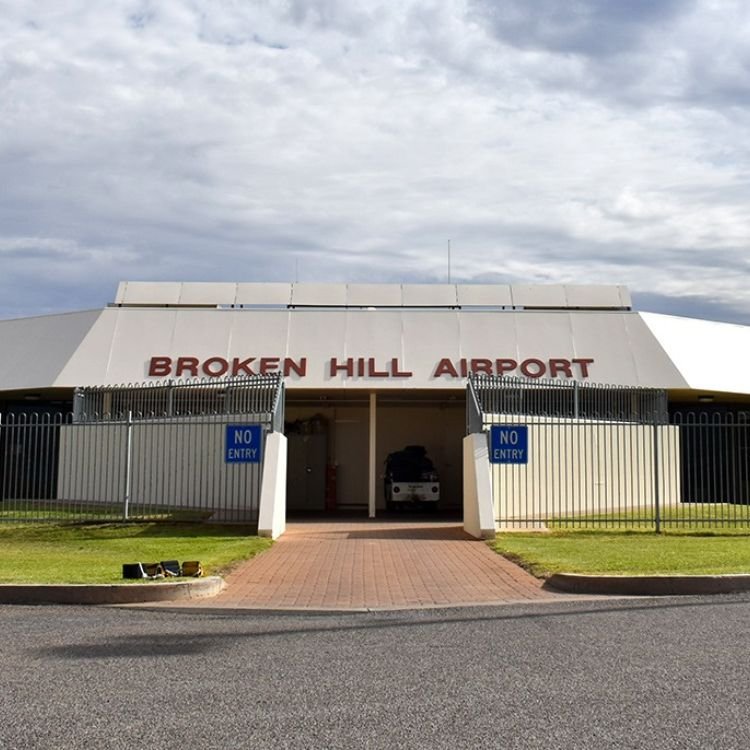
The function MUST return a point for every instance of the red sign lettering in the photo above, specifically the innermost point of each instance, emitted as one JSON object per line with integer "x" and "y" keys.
{"x": 367, "y": 367}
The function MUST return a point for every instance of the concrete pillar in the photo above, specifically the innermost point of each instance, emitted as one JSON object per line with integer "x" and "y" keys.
{"x": 272, "y": 508}
{"x": 479, "y": 508}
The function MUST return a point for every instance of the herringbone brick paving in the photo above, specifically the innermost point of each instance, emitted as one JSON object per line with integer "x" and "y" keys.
{"x": 378, "y": 565}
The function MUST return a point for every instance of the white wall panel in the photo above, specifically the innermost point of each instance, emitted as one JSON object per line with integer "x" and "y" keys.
{"x": 652, "y": 362}
{"x": 593, "y": 295}
{"x": 115, "y": 345}
{"x": 623, "y": 349}
{"x": 33, "y": 351}
{"x": 318, "y": 336}
{"x": 122, "y": 289}
{"x": 376, "y": 335}
{"x": 264, "y": 294}
{"x": 534, "y": 295}
{"x": 135, "y": 331}
{"x": 543, "y": 336}
{"x": 202, "y": 293}
{"x": 487, "y": 334}
{"x": 373, "y": 295}
{"x": 428, "y": 295}
{"x": 89, "y": 363}
{"x": 428, "y": 338}
{"x": 150, "y": 293}
{"x": 319, "y": 295}
{"x": 202, "y": 335}
{"x": 484, "y": 295}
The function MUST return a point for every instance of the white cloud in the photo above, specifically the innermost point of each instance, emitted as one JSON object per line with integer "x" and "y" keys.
{"x": 161, "y": 140}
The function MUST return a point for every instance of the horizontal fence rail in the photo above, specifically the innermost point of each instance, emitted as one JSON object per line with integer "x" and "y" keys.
{"x": 634, "y": 467}
{"x": 57, "y": 468}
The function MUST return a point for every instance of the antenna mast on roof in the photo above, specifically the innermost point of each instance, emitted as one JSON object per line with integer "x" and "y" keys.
{"x": 449, "y": 261}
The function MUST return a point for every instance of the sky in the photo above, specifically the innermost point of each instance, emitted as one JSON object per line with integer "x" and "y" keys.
{"x": 554, "y": 141}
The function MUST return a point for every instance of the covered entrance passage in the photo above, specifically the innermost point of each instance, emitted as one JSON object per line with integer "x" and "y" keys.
{"x": 339, "y": 442}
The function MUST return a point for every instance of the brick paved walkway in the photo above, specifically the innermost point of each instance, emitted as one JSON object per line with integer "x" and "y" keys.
{"x": 375, "y": 564}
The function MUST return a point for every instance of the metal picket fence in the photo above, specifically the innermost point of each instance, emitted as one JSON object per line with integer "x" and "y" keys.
{"x": 260, "y": 394}
{"x": 150, "y": 462}
{"x": 601, "y": 456}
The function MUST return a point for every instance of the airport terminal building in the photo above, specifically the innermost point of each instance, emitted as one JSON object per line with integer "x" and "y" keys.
{"x": 370, "y": 368}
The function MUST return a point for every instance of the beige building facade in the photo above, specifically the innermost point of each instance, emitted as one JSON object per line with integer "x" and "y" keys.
{"x": 369, "y": 368}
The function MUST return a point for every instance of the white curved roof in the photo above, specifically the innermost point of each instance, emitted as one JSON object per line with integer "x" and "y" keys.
{"x": 710, "y": 356}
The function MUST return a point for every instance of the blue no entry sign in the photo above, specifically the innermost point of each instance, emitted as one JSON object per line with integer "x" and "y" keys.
{"x": 243, "y": 444}
{"x": 509, "y": 444}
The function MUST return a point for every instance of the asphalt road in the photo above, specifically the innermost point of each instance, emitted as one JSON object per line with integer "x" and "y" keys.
{"x": 652, "y": 673}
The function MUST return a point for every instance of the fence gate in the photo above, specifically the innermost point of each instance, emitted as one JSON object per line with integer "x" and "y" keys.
{"x": 186, "y": 450}
{"x": 574, "y": 454}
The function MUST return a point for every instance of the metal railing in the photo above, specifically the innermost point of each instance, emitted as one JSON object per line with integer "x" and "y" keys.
{"x": 54, "y": 468}
{"x": 608, "y": 459}
{"x": 714, "y": 457}
{"x": 256, "y": 395}
{"x": 567, "y": 399}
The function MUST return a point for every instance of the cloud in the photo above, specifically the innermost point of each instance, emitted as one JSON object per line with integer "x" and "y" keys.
{"x": 587, "y": 27}
{"x": 349, "y": 140}
{"x": 690, "y": 306}
{"x": 631, "y": 54}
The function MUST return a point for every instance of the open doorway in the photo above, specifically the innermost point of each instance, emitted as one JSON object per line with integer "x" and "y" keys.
{"x": 431, "y": 427}
{"x": 327, "y": 463}
{"x": 329, "y": 450}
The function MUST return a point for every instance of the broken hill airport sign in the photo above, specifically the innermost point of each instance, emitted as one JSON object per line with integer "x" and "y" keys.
{"x": 365, "y": 367}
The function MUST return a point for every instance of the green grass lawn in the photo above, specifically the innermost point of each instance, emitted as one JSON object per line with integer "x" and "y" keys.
{"x": 626, "y": 552}
{"x": 95, "y": 553}
{"x": 44, "y": 511}
{"x": 692, "y": 516}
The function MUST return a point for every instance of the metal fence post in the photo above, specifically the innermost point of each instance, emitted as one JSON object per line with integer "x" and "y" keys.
{"x": 170, "y": 398}
{"x": 657, "y": 482}
{"x": 78, "y": 405}
{"x": 474, "y": 418}
{"x": 128, "y": 465}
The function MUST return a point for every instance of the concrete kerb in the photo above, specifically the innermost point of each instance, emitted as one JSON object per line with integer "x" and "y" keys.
{"x": 655, "y": 585}
{"x": 116, "y": 593}
{"x": 184, "y": 591}
{"x": 276, "y": 611}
